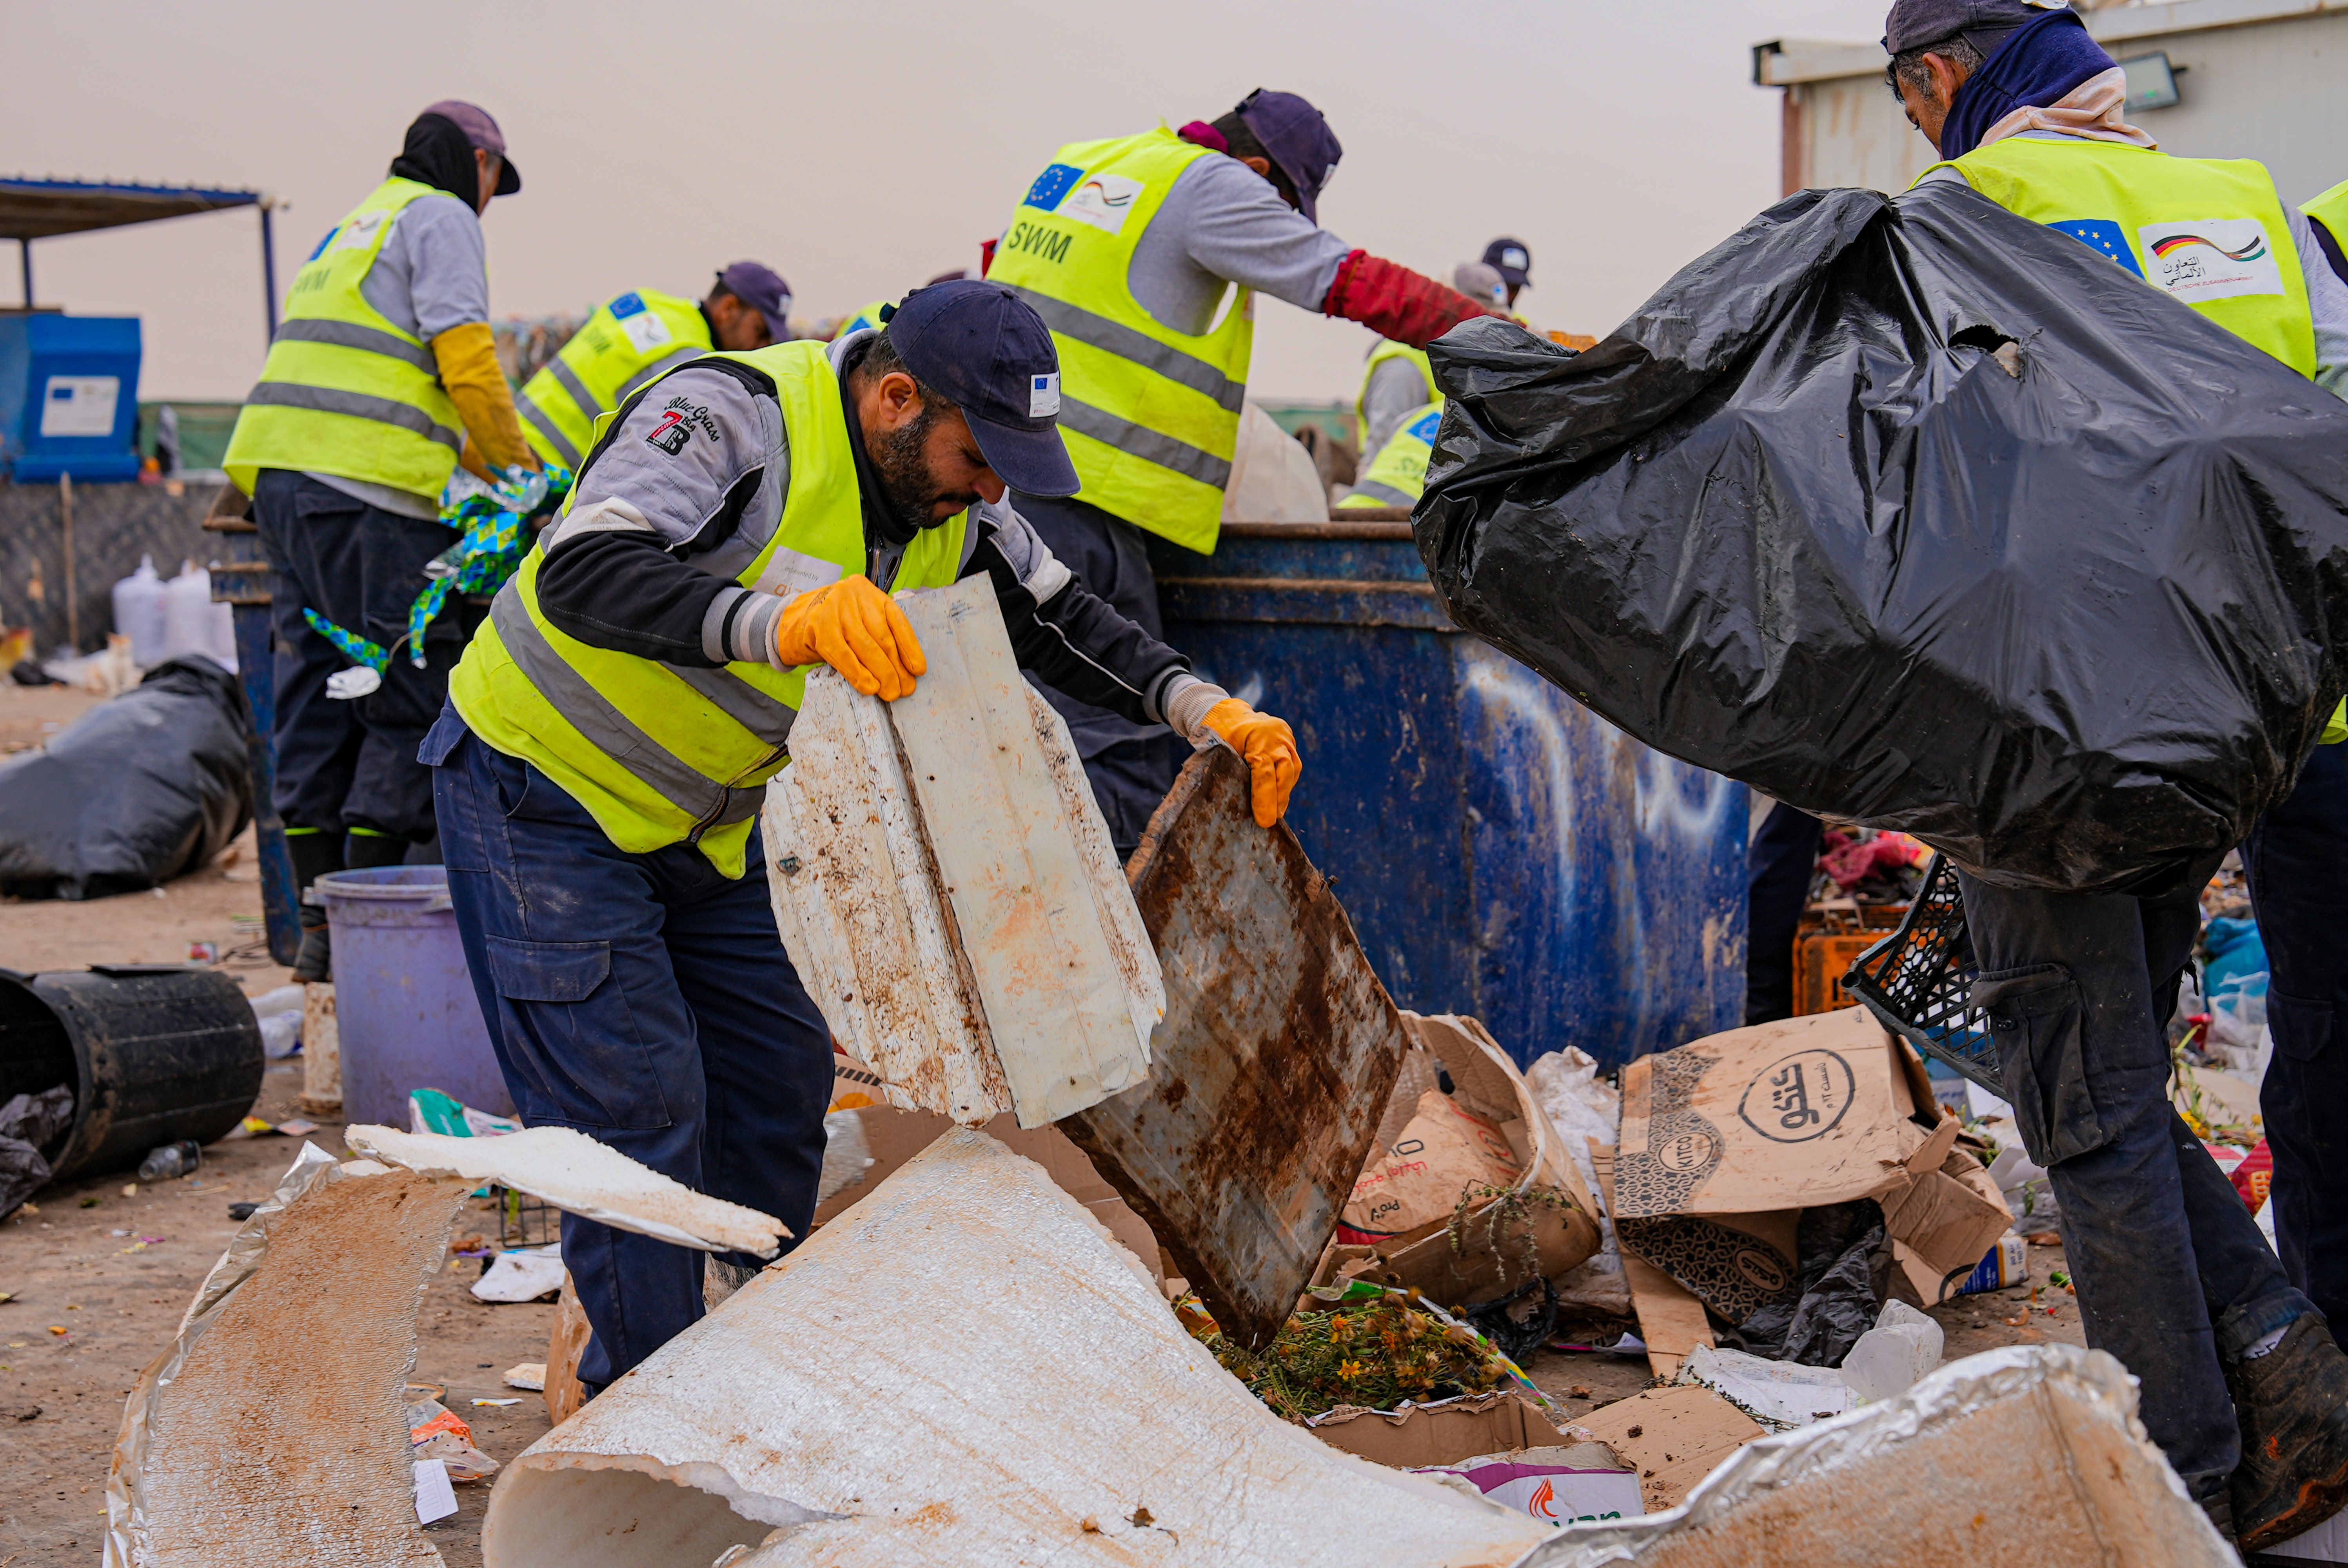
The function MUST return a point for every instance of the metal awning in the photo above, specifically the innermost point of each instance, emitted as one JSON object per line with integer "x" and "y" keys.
{"x": 34, "y": 210}
{"x": 37, "y": 209}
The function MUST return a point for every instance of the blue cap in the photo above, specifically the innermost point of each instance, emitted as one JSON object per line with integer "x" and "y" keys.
{"x": 761, "y": 288}
{"x": 1297, "y": 138}
{"x": 987, "y": 350}
{"x": 1512, "y": 259}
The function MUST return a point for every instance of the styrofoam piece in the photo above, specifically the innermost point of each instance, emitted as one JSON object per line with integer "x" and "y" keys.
{"x": 1055, "y": 1411}
{"x": 2027, "y": 1454}
{"x": 1779, "y": 1395}
{"x": 580, "y": 1176}
{"x": 523, "y": 1273}
{"x": 274, "y": 1422}
{"x": 946, "y": 886}
{"x": 1898, "y": 1352}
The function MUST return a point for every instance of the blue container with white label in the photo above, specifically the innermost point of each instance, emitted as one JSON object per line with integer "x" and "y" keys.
{"x": 69, "y": 397}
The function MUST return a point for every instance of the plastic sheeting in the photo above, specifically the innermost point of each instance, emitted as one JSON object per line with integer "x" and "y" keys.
{"x": 1041, "y": 1404}
{"x": 132, "y": 793}
{"x": 1913, "y": 512}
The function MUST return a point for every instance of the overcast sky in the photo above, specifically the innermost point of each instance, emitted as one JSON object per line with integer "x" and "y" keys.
{"x": 859, "y": 149}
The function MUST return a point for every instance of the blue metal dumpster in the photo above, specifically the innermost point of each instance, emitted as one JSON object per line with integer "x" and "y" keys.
{"x": 1503, "y": 851}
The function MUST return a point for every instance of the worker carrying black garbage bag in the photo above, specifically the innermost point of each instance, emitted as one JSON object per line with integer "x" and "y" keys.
{"x": 1926, "y": 514}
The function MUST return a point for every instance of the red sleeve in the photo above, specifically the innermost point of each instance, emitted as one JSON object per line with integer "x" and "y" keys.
{"x": 1395, "y": 302}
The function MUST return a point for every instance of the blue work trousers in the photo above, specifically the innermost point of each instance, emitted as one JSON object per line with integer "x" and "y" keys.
{"x": 2173, "y": 1276}
{"x": 644, "y": 999}
{"x": 1779, "y": 864}
{"x": 2298, "y": 861}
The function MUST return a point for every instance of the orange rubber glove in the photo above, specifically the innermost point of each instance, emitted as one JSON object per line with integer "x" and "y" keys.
{"x": 856, "y": 629}
{"x": 467, "y": 356}
{"x": 1268, "y": 746}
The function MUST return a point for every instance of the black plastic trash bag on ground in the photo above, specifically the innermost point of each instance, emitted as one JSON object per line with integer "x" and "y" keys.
{"x": 1846, "y": 1271}
{"x": 1917, "y": 513}
{"x": 28, "y": 1124}
{"x": 133, "y": 792}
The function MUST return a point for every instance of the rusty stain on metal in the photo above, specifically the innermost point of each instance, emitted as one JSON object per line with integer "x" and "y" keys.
{"x": 1273, "y": 1066}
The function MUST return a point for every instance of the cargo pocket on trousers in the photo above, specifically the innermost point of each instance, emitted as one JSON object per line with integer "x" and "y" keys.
{"x": 2300, "y": 1029}
{"x": 2034, "y": 1019}
{"x": 578, "y": 1032}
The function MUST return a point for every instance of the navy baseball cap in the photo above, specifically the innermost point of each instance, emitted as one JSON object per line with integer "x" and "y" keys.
{"x": 763, "y": 290}
{"x": 480, "y": 131}
{"x": 1297, "y": 138}
{"x": 987, "y": 350}
{"x": 1512, "y": 259}
{"x": 1913, "y": 23}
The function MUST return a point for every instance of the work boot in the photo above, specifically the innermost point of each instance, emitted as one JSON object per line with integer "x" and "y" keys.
{"x": 2214, "y": 1493}
{"x": 314, "y": 854}
{"x": 2293, "y": 1404}
{"x": 316, "y": 961}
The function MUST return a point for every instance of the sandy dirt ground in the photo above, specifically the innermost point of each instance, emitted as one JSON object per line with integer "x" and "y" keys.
{"x": 98, "y": 1271}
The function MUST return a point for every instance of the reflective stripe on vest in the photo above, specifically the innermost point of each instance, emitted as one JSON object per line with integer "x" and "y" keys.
{"x": 1150, "y": 416}
{"x": 1388, "y": 348}
{"x": 658, "y": 753}
{"x": 344, "y": 391}
{"x": 1397, "y": 476}
{"x": 2208, "y": 232}
{"x": 627, "y": 343}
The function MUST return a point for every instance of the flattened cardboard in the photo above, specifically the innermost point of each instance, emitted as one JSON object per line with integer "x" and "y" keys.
{"x": 1415, "y": 1181}
{"x": 1671, "y": 1322}
{"x": 1950, "y": 1217}
{"x": 1441, "y": 1433}
{"x": 1791, "y": 1115}
{"x": 1683, "y": 1435}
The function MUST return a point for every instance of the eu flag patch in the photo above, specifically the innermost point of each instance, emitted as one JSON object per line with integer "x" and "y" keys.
{"x": 1426, "y": 426}
{"x": 1056, "y": 181}
{"x": 2104, "y": 237}
{"x": 628, "y": 304}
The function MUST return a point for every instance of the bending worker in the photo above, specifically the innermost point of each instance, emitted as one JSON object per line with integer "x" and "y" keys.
{"x": 637, "y": 337}
{"x": 1127, "y": 248}
{"x": 611, "y": 728}
{"x": 384, "y": 368}
{"x": 2242, "y": 1386}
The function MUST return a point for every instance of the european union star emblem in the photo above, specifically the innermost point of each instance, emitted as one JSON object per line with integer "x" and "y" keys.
{"x": 2104, "y": 237}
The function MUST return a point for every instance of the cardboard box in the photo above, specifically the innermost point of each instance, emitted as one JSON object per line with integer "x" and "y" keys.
{"x": 1580, "y": 1484}
{"x": 1674, "y": 1437}
{"x": 1671, "y": 1322}
{"x": 1948, "y": 1217}
{"x": 1790, "y": 1115}
{"x": 1441, "y": 1433}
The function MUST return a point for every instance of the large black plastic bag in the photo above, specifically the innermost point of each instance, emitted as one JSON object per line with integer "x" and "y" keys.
{"x": 2062, "y": 611}
{"x": 135, "y": 791}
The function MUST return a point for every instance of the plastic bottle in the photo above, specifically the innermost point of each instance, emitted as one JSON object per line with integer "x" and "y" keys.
{"x": 138, "y": 613}
{"x": 171, "y": 1160}
{"x": 193, "y": 623}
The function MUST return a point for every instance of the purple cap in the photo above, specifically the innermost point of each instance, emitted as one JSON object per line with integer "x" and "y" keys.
{"x": 1913, "y": 23}
{"x": 481, "y": 131}
{"x": 1297, "y": 138}
{"x": 985, "y": 348}
{"x": 763, "y": 290}
{"x": 1512, "y": 259}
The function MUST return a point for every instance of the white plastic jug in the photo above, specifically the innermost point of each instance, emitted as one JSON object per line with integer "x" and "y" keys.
{"x": 192, "y": 623}
{"x": 138, "y": 613}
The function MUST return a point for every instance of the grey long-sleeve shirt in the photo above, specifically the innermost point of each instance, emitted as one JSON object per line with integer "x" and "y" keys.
{"x": 1223, "y": 223}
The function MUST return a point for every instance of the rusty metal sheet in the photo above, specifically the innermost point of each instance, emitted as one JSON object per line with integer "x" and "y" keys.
{"x": 1273, "y": 1066}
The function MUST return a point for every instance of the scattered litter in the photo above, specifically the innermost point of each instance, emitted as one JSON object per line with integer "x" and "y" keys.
{"x": 297, "y": 1127}
{"x": 495, "y": 1404}
{"x": 429, "y": 1110}
{"x": 1675, "y": 1435}
{"x": 241, "y": 1212}
{"x": 530, "y": 1375}
{"x": 1898, "y": 1352}
{"x": 437, "y": 1434}
{"x": 1574, "y": 1483}
{"x": 1780, "y": 1395}
{"x": 525, "y": 1274}
{"x": 170, "y": 1162}
{"x": 1372, "y": 1348}
{"x": 28, "y": 1124}
{"x": 435, "y": 1498}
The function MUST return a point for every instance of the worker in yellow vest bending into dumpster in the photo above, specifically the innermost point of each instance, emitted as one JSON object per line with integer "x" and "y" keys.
{"x": 1129, "y": 249}
{"x": 2242, "y": 1386}
{"x": 612, "y": 729}
{"x": 637, "y": 337}
{"x": 384, "y": 369}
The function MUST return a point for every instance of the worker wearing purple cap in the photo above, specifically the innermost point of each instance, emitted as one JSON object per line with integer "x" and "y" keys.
{"x": 1129, "y": 249}
{"x": 636, "y": 336}
{"x": 2242, "y": 1386}
{"x": 612, "y": 729}
{"x": 382, "y": 372}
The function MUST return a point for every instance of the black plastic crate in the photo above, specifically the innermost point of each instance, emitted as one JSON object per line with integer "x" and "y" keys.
{"x": 1920, "y": 981}
{"x": 524, "y": 1221}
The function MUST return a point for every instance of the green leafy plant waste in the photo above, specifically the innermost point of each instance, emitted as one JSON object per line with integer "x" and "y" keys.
{"x": 1375, "y": 1354}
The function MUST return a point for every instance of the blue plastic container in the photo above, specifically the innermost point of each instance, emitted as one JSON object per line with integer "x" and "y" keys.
{"x": 69, "y": 396}
{"x": 1503, "y": 851}
{"x": 404, "y": 1004}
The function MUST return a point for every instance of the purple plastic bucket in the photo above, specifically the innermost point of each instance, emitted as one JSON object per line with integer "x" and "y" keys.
{"x": 404, "y": 1004}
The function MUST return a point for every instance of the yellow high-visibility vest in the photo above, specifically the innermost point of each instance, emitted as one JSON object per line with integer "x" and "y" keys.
{"x": 344, "y": 391}
{"x": 1397, "y": 476}
{"x": 1150, "y": 416}
{"x": 1388, "y": 348}
{"x": 663, "y": 754}
{"x": 626, "y": 342}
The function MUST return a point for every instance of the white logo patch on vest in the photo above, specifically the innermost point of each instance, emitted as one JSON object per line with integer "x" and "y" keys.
{"x": 1044, "y": 395}
{"x": 358, "y": 233}
{"x": 1102, "y": 200}
{"x": 645, "y": 330}
{"x": 2210, "y": 259}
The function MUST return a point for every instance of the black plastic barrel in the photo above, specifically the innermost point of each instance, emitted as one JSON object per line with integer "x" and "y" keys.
{"x": 153, "y": 1052}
